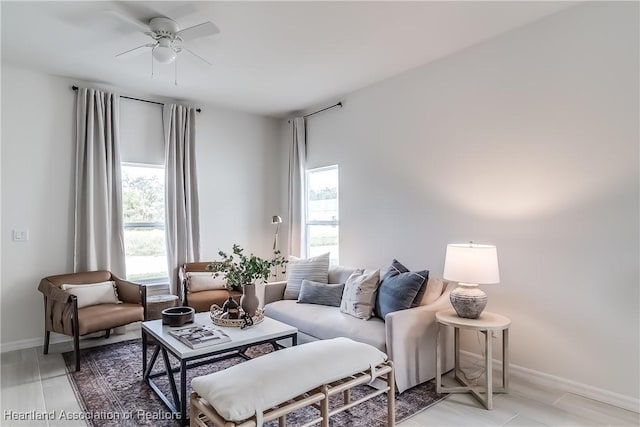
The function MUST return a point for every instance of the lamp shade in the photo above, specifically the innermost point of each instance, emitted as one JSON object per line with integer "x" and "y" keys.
{"x": 471, "y": 263}
{"x": 276, "y": 219}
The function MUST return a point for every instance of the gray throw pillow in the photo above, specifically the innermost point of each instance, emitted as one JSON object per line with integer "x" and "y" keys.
{"x": 359, "y": 294}
{"x": 320, "y": 293}
{"x": 400, "y": 289}
{"x": 315, "y": 269}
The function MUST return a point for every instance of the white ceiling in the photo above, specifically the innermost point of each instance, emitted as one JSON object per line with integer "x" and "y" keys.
{"x": 270, "y": 58}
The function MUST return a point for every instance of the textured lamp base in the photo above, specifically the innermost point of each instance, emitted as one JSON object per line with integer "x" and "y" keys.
{"x": 468, "y": 300}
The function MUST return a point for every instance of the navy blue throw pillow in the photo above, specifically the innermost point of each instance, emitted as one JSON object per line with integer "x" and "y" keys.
{"x": 400, "y": 289}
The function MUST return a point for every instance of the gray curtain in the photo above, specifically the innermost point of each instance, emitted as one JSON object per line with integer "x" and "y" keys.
{"x": 181, "y": 189}
{"x": 99, "y": 234}
{"x": 297, "y": 166}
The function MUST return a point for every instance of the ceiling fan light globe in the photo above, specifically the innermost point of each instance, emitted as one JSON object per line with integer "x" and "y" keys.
{"x": 164, "y": 55}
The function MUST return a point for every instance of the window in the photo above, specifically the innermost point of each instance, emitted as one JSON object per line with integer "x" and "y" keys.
{"x": 321, "y": 212}
{"x": 143, "y": 208}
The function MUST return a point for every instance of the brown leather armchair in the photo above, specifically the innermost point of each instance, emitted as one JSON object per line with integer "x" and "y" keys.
{"x": 202, "y": 300}
{"x": 63, "y": 316}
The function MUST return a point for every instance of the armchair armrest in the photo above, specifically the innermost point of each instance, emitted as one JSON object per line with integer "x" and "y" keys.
{"x": 53, "y": 292}
{"x": 274, "y": 291}
{"x": 129, "y": 291}
{"x": 411, "y": 342}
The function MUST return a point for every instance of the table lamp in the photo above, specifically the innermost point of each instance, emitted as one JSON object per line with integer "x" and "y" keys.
{"x": 470, "y": 265}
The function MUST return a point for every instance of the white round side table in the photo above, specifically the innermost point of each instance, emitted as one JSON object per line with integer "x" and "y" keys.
{"x": 487, "y": 323}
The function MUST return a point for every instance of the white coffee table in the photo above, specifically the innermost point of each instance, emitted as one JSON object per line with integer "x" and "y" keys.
{"x": 268, "y": 331}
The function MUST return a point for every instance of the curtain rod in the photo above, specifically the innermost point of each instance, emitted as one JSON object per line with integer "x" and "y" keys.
{"x": 138, "y": 99}
{"x": 339, "y": 104}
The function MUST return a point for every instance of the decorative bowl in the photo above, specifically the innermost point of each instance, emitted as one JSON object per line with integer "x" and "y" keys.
{"x": 177, "y": 316}
{"x": 217, "y": 317}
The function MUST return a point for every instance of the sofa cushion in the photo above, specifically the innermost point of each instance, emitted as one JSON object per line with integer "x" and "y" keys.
{"x": 320, "y": 293}
{"x": 93, "y": 293}
{"x": 324, "y": 322}
{"x": 359, "y": 296}
{"x": 315, "y": 269}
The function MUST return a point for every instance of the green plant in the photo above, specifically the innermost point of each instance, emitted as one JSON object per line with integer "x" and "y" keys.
{"x": 241, "y": 269}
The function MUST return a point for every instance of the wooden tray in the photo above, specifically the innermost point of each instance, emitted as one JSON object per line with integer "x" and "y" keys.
{"x": 216, "y": 312}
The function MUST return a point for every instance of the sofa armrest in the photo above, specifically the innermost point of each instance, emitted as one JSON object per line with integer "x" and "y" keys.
{"x": 274, "y": 291}
{"x": 411, "y": 342}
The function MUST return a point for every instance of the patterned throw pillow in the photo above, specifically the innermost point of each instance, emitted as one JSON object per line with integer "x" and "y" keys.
{"x": 315, "y": 269}
{"x": 320, "y": 293}
{"x": 400, "y": 289}
{"x": 359, "y": 294}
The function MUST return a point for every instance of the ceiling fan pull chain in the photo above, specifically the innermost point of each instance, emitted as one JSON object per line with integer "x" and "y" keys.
{"x": 175, "y": 73}
{"x": 151, "y": 63}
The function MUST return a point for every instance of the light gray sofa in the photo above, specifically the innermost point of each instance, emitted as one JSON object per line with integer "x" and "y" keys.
{"x": 408, "y": 336}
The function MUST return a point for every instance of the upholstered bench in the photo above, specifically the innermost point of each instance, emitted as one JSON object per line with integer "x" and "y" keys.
{"x": 271, "y": 386}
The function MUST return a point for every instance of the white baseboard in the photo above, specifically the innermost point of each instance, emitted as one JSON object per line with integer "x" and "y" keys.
{"x": 39, "y": 342}
{"x": 547, "y": 380}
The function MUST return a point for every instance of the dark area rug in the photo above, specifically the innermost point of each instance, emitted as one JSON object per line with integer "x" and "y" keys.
{"x": 112, "y": 393}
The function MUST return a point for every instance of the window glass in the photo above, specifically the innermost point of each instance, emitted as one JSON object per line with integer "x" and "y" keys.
{"x": 322, "y": 227}
{"x": 143, "y": 210}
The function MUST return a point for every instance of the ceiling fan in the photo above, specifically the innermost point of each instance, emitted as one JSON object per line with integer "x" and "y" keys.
{"x": 168, "y": 39}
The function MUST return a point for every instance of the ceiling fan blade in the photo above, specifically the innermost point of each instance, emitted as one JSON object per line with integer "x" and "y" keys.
{"x": 201, "y": 30}
{"x": 135, "y": 51}
{"x": 124, "y": 17}
{"x": 196, "y": 55}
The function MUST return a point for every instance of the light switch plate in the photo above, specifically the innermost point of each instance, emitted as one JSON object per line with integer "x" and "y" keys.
{"x": 20, "y": 234}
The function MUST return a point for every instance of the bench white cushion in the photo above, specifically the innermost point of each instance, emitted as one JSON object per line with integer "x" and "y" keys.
{"x": 237, "y": 393}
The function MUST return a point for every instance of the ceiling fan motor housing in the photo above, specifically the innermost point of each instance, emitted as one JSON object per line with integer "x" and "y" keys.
{"x": 164, "y": 27}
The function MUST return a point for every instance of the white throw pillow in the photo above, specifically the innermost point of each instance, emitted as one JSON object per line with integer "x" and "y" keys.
{"x": 94, "y": 293}
{"x": 359, "y": 295}
{"x": 315, "y": 269}
{"x": 205, "y": 281}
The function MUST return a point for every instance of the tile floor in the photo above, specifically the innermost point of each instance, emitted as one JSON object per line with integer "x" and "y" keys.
{"x": 32, "y": 381}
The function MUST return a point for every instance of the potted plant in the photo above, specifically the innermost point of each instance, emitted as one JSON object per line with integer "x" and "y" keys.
{"x": 244, "y": 271}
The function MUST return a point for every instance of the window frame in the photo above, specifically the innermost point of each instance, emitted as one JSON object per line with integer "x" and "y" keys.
{"x": 307, "y": 223}
{"x": 147, "y": 225}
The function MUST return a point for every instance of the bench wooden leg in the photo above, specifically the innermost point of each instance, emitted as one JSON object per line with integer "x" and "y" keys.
{"x": 391, "y": 399}
{"x": 324, "y": 407}
{"x": 282, "y": 421}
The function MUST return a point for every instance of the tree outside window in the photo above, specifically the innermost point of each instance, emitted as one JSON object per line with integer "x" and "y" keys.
{"x": 144, "y": 222}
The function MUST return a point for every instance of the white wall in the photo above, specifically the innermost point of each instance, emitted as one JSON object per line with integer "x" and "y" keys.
{"x": 238, "y": 191}
{"x": 529, "y": 142}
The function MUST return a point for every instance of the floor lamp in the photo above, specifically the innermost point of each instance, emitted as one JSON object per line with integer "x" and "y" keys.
{"x": 277, "y": 221}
